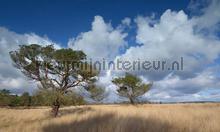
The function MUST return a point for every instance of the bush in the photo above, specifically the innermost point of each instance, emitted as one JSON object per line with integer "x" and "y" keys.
{"x": 40, "y": 98}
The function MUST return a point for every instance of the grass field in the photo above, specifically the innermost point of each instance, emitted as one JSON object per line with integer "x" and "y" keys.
{"x": 115, "y": 118}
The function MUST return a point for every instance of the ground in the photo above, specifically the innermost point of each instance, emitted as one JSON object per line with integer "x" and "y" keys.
{"x": 114, "y": 118}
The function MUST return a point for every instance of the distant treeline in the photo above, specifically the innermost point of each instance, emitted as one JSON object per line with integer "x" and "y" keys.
{"x": 40, "y": 98}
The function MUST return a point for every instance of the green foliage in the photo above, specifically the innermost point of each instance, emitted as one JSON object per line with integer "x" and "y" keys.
{"x": 69, "y": 55}
{"x": 131, "y": 86}
{"x": 25, "y": 99}
{"x": 73, "y": 99}
{"x": 57, "y": 70}
{"x": 96, "y": 93}
{"x": 8, "y": 100}
{"x": 47, "y": 97}
{"x": 4, "y": 92}
{"x": 14, "y": 100}
{"x": 40, "y": 98}
{"x": 4, "y": 97}
{"x": 37, "y": 62}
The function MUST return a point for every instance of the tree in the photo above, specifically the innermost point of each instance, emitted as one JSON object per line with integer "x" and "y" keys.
{"x": 57, "y": 70}
{"x": 44, "y": 97}
{"x": 25, "y": 99}
{"x": 5, "y": 92}
{"x": 131, "y": 87}
{"x": 72, "y": 98}
{"x": 4, "y": 97}
{"x": 14, "y": 100}
{"x": 97, "y": 93}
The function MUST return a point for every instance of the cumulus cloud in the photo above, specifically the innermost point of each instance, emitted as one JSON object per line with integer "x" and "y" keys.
{"x": 10, "y": 77}
{"x": 173, "y": 36}
{"x": 172, "y": 88}
{"x": 126, "y": 21}
{"x": 102, "y": 41}
{"x": 210, "y": 15}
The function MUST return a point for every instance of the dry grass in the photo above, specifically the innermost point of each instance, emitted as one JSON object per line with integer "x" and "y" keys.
{"x": 115, "y": 118}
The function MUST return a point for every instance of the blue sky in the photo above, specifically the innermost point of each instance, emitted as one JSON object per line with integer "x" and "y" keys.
{"x": 126, "y": 30}
{"x": 62, "y": 19}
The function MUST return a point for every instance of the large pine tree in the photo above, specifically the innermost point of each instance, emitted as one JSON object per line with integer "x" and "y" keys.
{"x": 56, "y": 69}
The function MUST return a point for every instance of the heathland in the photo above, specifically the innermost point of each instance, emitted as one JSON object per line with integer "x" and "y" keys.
{"x": 114, "y": 118}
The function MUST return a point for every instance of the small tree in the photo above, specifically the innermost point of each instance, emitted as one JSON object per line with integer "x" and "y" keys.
{"x": 44, "y": 97}
{"x": 5, "y": 97}
{"x": 131, "y": 87}
{"x": 25, "y": 99}
{"x": 15, "y": 100}
{"x": 58, "y": 70}
{"x": 5, "y": 92}
{"x": 97, "y": 93}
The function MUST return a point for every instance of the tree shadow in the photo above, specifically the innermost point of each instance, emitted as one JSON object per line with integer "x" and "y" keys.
{"x": 76, "y": 110}
{"x": 111, "y": 123}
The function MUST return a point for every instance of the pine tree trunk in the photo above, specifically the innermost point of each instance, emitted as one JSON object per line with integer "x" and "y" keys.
{"x": 131, "y": 100}
{"x": 55, "y": 109}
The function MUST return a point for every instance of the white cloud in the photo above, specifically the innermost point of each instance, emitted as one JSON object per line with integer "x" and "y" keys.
{"x": 210, "y": 14}
{"x": 102, "y": 41}
{"x": 10, "y": 77}
{"x": 173, "y": 36}
{"x": 126, "y": 21}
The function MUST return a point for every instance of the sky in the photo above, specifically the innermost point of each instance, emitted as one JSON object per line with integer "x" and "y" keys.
{"x": 126, "y": 30}
{"x": 63, "y": 19}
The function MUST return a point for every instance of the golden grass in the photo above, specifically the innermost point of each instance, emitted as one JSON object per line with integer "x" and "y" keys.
{"x": 115, "y": 118}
